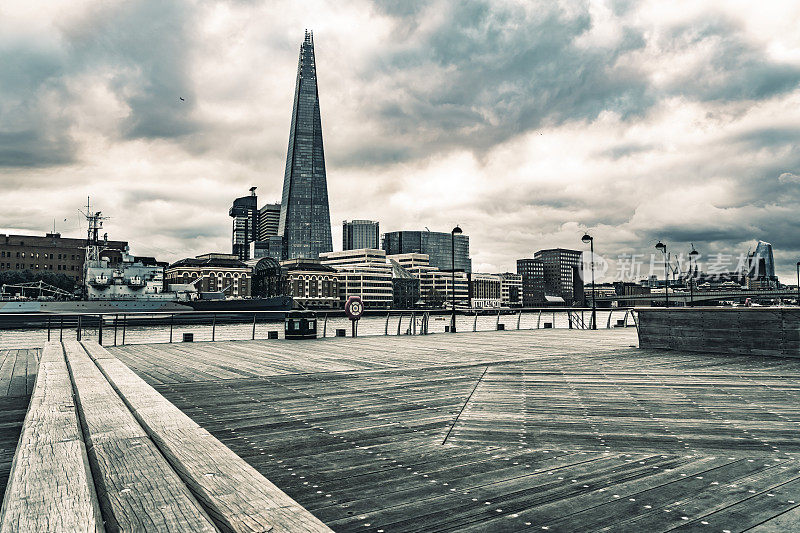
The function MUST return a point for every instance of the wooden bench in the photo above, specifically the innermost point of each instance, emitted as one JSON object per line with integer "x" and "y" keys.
{"x": 137, "y": 488}
{"x": 234, "y": 493}
{"x": 50, "y": 487}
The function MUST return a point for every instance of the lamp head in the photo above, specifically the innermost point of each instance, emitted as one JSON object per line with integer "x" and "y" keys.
{"x": 456, "y": 230}
{"x": 694, "y": 253}
{"x": 587, "y": 239}
{"x": 661, "y": 246}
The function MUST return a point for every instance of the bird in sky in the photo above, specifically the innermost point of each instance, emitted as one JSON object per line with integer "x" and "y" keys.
{"x": 181, "y": 97}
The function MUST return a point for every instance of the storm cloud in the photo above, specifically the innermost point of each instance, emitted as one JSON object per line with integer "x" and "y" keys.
{"x": 527, "y": 123}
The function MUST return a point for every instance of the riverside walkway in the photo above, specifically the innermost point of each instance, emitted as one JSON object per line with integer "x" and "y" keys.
{"x": 554, "y": 430}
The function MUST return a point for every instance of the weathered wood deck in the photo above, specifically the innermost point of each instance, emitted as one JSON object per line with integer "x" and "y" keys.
{"x": 17, "y": 376}
{"x": 541, "y": 430}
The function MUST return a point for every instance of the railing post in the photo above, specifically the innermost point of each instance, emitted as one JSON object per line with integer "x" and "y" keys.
{"x": 519, "y": 318}
{"x": 475, "y": 322}
{"x": 325, "y": 326}
{"x": 413, "y": 323}
{"x": 254, "y": 327}
{"x": 539, "y": 319}
{"x": 213, "y": 327}
{"x": 116, "y": 319}
{"x": 124, "y": 323}
{"x": 48, "y": 329}
{"x": 171, "y": 324}
{"x": 399, "y": 322}
{"x": 100, "y": 330}
{"x": 569, "y": 318}
{"x": 386, "y": 329}
{"x": 79, "y": 327}
{"x": 425, "y": 318}
{"x": 498, "y": 320}
{"x": 608, "y": 324}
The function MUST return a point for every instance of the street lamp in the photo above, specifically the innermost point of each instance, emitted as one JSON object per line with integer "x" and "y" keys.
{"x": 798, "y": 283}
{"x": 590, "y": 240}
{"x": 663, "y": 247}
{"x": 453, "y": 268}
{"x": 694, "y": 253}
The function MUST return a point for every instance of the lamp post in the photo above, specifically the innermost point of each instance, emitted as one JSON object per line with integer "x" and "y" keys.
{"x": 663, "y": 247}
{"x": 589, "y": 239}
{"x": 694, "y": 253}
{"x": 798, "y": 283}
{"x": 453, "y": 272}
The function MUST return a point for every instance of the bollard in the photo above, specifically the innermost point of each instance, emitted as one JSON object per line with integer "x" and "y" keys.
{"x": 548, "y": 325}
{"x": 188, "y": 337}
{"x": 272, "y": 335}
{"x": 341, "y": 332}
{"x": 447, "y": 329}
{"x": 501, "y": 327}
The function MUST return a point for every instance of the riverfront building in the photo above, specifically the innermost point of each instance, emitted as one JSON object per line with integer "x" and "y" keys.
{"x": 486, "y": 291}
{"x": 531, "y": 271}
{"x": 305, "y": 222}
{"x": 52, "y": 253}
{"x": 312, "y": 284}
{"x": 363, "y": 273}
{"x": 219, "y": 272}
{"x": 511, "y": 289}
{"x": 563, "y": 274}
{"x": 359, "y": 234}
{"x": 436, "y": 245}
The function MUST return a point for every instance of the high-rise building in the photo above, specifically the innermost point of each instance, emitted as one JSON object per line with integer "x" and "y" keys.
{"x": 437, "y": 245}
{"x": 305, "y": 221}
{"x": 762, "y": 265}
{"x": 532, "y": 273}
{"x": 269, "y": 217}
{"x": 245, "y": 224}
{"x": 486, "y": 291}
{"x": 358, "y": 234}
{"x": 563, "y": 274}
{"x": 511, "y": 289}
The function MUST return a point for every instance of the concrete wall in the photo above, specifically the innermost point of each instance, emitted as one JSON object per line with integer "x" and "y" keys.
{"x": 739, "y": 331}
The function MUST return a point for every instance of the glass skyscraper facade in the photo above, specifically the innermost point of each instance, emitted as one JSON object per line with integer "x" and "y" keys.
{"x": 305, "y": 222}
{"x": 358, "y": 234}
{"x": 436, "y": 245}
{"x": 245, "y": 224}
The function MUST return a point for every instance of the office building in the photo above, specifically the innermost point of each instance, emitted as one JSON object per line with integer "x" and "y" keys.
{"x": 436, "y": 245}
{"x": 311, "y": 284}
{"x": 563, "y": 275}
{"x": 486, "y": 291}
{"x": 360, "y": 234}
{"x": 267, "y": 278}
{"x": 305, "y": 222}
{"x": 219, "y": 272}
{"x": 364, "y": 273}
{"x": 51, "y": 253}
{"x": 269, "y": 217}
{"x": 511, "y": 289}
{"x": 244, "y": 212}
{"x": 405, "y": 287}
{"x": 271, "y": 247}
{"x": 532, "y": 273}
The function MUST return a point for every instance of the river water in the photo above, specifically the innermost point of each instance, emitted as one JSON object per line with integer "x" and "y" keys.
{"x": 368, "y": 325}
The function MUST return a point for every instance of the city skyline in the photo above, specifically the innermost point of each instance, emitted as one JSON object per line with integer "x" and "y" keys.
{"x": 675, "y": 123}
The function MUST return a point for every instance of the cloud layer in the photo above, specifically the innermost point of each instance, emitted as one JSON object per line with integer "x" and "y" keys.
{"x": 527, "y": 123}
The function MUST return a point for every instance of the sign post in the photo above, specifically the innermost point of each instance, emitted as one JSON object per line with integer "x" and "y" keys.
{"x": 354, "y": 308}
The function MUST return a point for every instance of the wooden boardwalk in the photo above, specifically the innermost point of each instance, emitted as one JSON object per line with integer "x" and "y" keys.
{"x": 551, "y": 430}
{"x": 17, "y": 376}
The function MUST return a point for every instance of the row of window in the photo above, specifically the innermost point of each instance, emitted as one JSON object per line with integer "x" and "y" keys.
{"x": 35, "y": 255}
{"x": 35, "y": 266}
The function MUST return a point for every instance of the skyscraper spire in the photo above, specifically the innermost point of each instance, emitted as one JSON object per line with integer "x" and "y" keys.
{"x": 305, "y": 221}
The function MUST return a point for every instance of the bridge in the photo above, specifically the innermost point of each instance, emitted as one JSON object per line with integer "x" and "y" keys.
{"x": 701, "y": 296}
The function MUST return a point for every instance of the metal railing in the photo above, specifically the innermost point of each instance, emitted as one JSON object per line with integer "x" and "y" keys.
{"x": 118, "y": 329}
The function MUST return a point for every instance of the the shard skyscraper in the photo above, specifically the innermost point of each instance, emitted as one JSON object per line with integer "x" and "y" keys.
{"x": 305, "y": 221}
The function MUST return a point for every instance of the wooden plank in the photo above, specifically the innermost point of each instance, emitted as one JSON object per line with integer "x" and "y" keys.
{"x": 235, "y": 494}
{"x": 50, "y": 487}
{"x": 137, "y": 489}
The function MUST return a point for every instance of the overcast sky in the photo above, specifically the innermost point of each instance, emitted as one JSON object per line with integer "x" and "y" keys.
{"x": 525, "y": 122}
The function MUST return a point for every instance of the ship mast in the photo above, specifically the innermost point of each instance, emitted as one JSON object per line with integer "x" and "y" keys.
{"x": 95, "y": 224}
